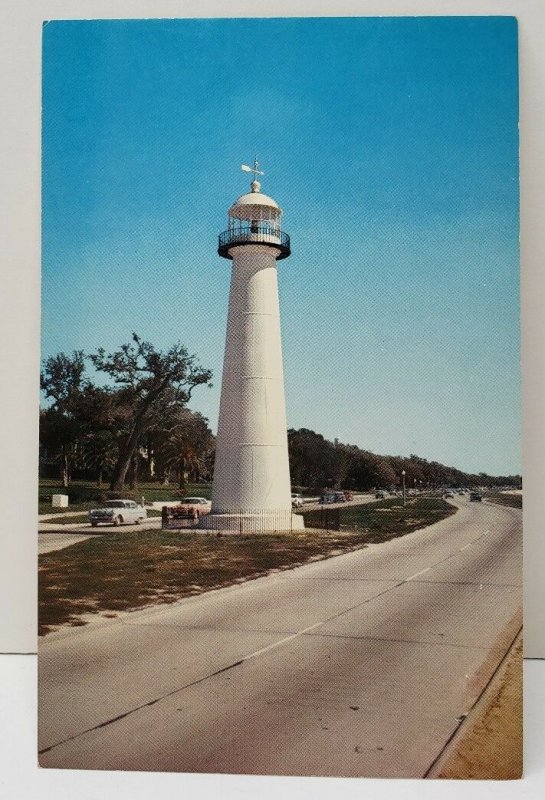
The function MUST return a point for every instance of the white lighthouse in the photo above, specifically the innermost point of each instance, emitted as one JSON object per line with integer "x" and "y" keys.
{"x": 251, "y": 489}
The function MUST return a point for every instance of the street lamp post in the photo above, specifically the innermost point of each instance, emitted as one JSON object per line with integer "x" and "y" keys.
{"x": 403, "y": 473}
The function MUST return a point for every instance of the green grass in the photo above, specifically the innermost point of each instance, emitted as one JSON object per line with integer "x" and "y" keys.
{"x": 387, "y": 519}
{"x": 129, "y": 570}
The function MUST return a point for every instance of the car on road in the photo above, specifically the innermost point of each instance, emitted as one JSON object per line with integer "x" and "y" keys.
{"x": 476, "y": 497}
{"x": 380, "y": 495}
{"x": 339, "y": 497}
{"x": 297, "y": 500}
{"x": 118, "y": 512}
{"x": 448, "y": 494}
{"x": 327, "y": 497}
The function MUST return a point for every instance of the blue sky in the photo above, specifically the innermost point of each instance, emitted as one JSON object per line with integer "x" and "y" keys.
{"x": 391, "y": 145}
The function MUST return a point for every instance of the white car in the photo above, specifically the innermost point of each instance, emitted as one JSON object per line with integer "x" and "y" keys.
{"x": 202, "y": 502}
{"x": 296, "y": 501}
{"x": 117, "y": 512}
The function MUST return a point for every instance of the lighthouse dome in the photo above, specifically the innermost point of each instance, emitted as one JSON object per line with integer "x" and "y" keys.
{"x": 255, "y": 201}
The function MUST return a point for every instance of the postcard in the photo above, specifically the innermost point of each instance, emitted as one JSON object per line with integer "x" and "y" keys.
{"x": 280, "y": 485}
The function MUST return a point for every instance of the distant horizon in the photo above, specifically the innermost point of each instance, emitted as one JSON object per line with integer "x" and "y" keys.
{"x": 392, "y": 146}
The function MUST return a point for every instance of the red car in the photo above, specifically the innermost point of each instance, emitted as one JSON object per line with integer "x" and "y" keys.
{"x": 193, "y": 507}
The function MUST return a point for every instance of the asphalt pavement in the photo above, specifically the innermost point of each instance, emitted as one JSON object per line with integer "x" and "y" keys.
{"x": 359, "y": 665}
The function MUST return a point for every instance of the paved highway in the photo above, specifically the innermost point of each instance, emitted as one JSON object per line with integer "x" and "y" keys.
{"x": 359, "y": 665}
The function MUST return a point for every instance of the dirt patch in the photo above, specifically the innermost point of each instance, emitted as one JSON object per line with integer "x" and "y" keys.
{"x": 490, "y": 745}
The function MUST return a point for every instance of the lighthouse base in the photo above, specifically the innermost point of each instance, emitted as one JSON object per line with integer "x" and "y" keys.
{"x": 268, "y": 521}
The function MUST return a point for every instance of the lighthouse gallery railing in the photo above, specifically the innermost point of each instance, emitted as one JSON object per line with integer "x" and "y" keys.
{"x": 254, "y": 234}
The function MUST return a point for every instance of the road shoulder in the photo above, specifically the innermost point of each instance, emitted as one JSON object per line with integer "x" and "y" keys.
{"x": 488, "y": 744}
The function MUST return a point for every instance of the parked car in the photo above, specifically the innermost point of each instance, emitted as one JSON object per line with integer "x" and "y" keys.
{"x": 448, "y": 494}
{"x": 327, "y": 497}
{"x": 476, "y": 497}
{"x": 348, "y": 495}
{"x": 193, "y": 507}
{"x": 380, "y": 495}
{"x": 201, "y": 502}
{"x": 296, "y": 501}
{"x": 339, "y": 497}
{"x": 117, "y": 512}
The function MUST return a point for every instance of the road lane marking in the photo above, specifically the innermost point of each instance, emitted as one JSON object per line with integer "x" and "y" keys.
{"x": 321, "y": 622}
{"x": 416, "y": 574}
{"x": 283, "y": 641}
{"x": 132, "y": 711}
{"x": 434, "y": 642}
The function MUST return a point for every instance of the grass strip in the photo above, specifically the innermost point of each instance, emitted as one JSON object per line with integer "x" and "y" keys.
{"x": 513, "y": 500}
{"x": 388, "y": 519}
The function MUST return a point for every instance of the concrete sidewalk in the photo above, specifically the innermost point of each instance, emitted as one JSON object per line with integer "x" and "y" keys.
{"x": 60, "y": 514}
{"x": 53, "y": 536}
{"x": 49, "y": 542}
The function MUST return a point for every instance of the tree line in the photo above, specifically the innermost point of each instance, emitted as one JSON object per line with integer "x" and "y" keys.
{"x": 317, "y": 463}
{"x": 137, "y": 415}
{"x": 131, "y": 422}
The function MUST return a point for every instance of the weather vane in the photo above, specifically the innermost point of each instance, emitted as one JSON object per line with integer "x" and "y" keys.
{"x": 254, "y": 169}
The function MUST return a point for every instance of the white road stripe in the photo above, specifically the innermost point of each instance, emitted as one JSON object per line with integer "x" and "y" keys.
{"x": 283, "y": 641}
{"x": 416, "y": 574}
